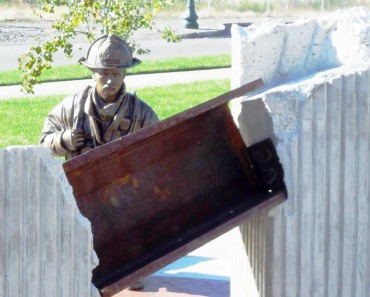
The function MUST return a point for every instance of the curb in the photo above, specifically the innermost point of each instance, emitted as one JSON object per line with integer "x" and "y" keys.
{"x": 223, "y": 33}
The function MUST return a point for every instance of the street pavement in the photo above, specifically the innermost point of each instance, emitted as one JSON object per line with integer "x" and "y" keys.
{"x": 159, "y": 49}
{"x": 211, "y": 38}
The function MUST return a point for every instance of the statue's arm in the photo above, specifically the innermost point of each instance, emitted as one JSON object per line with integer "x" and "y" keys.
{"x": 148, "y": 115}
{"x": 58, "y": 122}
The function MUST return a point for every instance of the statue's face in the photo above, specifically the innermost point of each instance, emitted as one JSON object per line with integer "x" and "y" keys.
{"x": 108, "y": 82}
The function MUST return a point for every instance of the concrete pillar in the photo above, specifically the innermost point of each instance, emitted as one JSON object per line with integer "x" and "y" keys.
{"x": 318, "y": 98}
{"x": 45, "y": 243}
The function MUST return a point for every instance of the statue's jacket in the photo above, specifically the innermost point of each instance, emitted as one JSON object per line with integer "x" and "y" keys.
{"x": 101, "y": 123}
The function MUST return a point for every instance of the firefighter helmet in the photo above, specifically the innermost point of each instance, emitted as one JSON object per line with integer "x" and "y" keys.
{"x": 109, "y": 52}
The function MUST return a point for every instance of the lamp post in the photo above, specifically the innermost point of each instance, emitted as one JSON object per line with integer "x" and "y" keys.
{"x": 191, "y": 16}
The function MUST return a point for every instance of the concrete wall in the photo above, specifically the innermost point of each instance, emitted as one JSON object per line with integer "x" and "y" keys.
{"x": 318, "y": 98}
{"x": 45, "y": 243}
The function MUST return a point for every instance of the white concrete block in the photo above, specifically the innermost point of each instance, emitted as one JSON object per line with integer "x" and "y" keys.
{"x": 45, "y": 243}
{"x": 256, "y": 122}
{"x": 297, "y": 44}
{"x": 350, "y": 37}
{"x": 256, "y": 60}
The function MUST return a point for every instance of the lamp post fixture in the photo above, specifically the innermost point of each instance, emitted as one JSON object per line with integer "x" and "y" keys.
{"x": 191, "y": 16}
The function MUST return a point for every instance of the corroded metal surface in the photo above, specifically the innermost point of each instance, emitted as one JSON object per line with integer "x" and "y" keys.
{"x": 159, "y": 193}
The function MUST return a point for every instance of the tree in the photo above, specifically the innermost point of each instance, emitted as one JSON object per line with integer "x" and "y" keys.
{"x": 90, "y": 17}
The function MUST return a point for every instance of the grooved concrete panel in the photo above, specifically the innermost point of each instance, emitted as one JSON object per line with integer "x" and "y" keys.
{"x": 318, "y": 242}
{"x": 45, "y": 243}
{"x": 320, "y": 238}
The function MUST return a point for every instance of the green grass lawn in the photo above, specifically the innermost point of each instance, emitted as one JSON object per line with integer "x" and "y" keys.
{"x": 77, "y": 71}
{"x": 21, "y": 120}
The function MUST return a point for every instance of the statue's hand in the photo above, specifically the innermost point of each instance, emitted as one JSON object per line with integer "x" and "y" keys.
{"x": 73, "y": 138}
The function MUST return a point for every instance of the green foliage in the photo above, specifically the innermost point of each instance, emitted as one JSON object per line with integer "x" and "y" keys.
{"x": 91, "y": 17}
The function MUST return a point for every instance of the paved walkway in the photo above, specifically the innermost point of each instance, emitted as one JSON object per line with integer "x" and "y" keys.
{"x": 202, "y": 273}
{"x": 180, "y": 287}
{"x": 132, "y": 81}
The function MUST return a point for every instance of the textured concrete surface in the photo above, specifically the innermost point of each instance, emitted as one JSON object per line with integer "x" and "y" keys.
{"x": 317, "y": 243}
{"x": 45, "y": 243}
{"x": 279, "y": 52}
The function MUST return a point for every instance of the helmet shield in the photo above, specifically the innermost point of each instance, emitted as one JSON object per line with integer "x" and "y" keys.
{"x": 109, "y": 52}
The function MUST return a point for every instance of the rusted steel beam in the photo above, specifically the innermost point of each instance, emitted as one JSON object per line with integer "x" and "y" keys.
{"x": 163, "y": 191}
